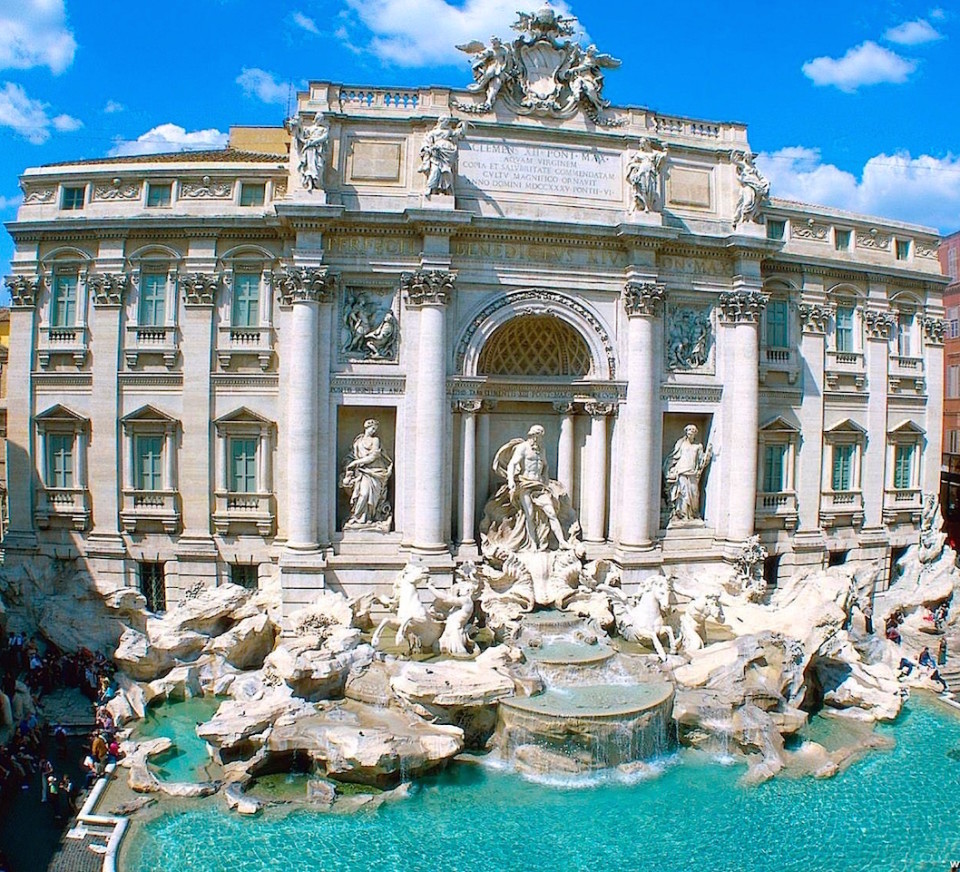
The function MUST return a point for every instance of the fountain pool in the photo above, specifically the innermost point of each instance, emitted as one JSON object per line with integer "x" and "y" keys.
{"x": 187, "y": 760}
{"x": 891, "y": 810}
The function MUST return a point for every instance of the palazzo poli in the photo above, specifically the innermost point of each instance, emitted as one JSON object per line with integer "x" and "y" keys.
{"x": 300, "y": 361}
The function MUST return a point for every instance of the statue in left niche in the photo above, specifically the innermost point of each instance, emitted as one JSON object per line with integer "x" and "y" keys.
{"x": 370, "y": 332}
{"x": 438, "y": 155}
{"x": 311, "y": 140}
{"x": 366, "y": 474}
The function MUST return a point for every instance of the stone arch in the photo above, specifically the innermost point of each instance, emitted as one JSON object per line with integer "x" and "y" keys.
{"x": 574, "y": 314}
{"x": 66, "y": 254}
{"x": 247, "y": 252}
{"x": 535, "y": 346}
{"x": 154, "y": 251}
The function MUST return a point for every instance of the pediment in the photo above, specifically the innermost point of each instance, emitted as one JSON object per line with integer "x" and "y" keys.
{"x": 907, "y": 428}
{"x": 847, "y": 425}
{"x": 779, "y": 425}
{"x": 243, "y": 415}
{"x": 146, "y": 414}
{"x": 60, "y": 413}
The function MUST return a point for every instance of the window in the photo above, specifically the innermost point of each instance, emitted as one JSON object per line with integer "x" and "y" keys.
{"x": 252, "y": 194}
{"x": 953, "y": 442}
{"x": 243, "y": 465}
{"x": 153, "y": 586}
{"x": 63, "y": 305}
{"x": 953, "y": 322}
{"x": 843, "y": 456}
{"x": 149, "y": 469}
{"x": 776, "y": 229}
{"x": 903, "y": 467}
{"x": 60, "y": 460}
{"x": 905, "y": 334}
{"x": 246, "y": 299}
{"x": 774, "y": 457}
{"x": 153, "y": 299}
{"x": 244, "y": 574}
{"x": 158, "y": 196}
{"x": 776, "y": 314}
{"x": 903, "y": 249}
{"x": 771, "y": 570}
{"x": 844, "y": 331}
{"x": 952, "y": 263}
{"x": 72, "y": 198}
{"x": 836, "y": 558}
{"x": 953, "y": 381}
{"x": 841, "y": 240}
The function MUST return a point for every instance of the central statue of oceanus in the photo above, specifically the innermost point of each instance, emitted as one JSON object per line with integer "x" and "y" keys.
{"x": 531, "y": 511}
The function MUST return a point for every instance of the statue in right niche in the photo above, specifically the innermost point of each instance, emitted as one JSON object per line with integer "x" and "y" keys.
{"x": 682, "y": 471}
{"x": 366, "y": 474}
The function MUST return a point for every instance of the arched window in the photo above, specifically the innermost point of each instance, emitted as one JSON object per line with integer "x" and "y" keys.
{"x": 535, "y": 345}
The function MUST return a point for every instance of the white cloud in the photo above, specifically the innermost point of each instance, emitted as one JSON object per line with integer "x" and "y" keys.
{"x": 9, "y": 203}
{"x": 169, "y": 138}
{"x": 938, "y": 14}
{"x": 867, "y": 64}
{"x": 913, "y": 33}
{"x": 30, "y": 117}
{"x": 306, "y": 23}
{"x": 427, "y": 32}
{"x": 34, "y": 33}
{"x": 924, "y": 189}
{"x": 261, "y": 84}
{"x": 113, "y": 106}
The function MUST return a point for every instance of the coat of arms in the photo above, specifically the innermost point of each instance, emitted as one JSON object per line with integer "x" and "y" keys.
{"x": 542, "y": 72}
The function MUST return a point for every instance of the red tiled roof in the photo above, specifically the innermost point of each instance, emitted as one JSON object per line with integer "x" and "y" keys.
{"x": 223, "y": 155}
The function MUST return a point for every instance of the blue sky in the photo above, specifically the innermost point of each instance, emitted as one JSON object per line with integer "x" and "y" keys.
{"x": 848, "y": 104}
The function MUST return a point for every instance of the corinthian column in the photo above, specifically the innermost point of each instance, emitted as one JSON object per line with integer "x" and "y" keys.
{"x": 468, "y": 493}
{"x": 640, "y": 516}
{"x": 740, "y": 313}
{"x": 304, "y": 289}
{"x": 594, "y": 513}
{"x": 428, "y": 290}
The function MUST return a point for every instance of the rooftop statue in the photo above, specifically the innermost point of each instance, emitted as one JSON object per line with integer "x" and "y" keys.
{"x": 643, "y": 174}
{"x": 438, "y": 155}
{"x": 311, "y": 142}
{"x": 541, "y": 72}
{"x": 754, "y": 188}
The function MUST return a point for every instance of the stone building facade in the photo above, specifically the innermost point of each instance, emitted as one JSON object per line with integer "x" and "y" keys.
{"x": 199, "y": 339}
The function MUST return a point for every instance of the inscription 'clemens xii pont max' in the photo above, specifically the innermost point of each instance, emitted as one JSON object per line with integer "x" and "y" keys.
{"x": 529, "y": 169}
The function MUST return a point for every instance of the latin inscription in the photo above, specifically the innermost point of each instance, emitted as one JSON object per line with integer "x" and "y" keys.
{"x": 372, "y": 246}
{"x": 529, "y": 169}
{"x": 693, "y": 266}
{"x": 522, "y": 251}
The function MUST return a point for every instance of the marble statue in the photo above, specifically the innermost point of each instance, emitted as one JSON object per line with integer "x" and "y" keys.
{"x": 489, "y": 67}
{"x": 530, "y": 512}
{"x": 643, "y": 175}
{"x": 641, "y": 618}
{"x": 749, "y": 582}
{"x": 754, "y": 188}
{"x": 455, "y": 607}
{"x": 932, "y": 537}
{"x": 586, "y": 80}
{"x": 693, "y": 633}
{"x": 368, "y": 331}
{"x": 682, "y": 470}
{"x": 689, "y": 335}
{"x": 408, "y": 615}
{"x": 438, "y": 155}
{"x": 311, "y": 141}
{"x": 365, "y": 475}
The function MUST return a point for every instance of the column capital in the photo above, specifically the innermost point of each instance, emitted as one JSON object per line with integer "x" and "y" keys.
{"x": 933, "y": 328}
{"x": 24, "y": 290}
{"x": 469, "y": 407}
{"x": 304, "y": 284}
{"x": 199, "y": 288}
{"x": 741, "y": 307}
{"x": 598, "y": 409}
{"x": 427, "y": 287}
{"x": 814, "y": 317}
{"x": 107, "y": 289}
{"x": 563, "y": 407}
{"x": 880, "y": 325}
{"x": 643, "y": 299}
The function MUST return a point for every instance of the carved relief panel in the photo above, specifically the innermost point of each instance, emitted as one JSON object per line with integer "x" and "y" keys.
{"x": 689, "y": 337}
{"x": 369, "y": 325}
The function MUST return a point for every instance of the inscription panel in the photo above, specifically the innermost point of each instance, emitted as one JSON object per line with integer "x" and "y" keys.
{"x": 550, "y": 171}
{"x": 689, "y": 187}
{"x": 524, "y": 252}
{"x": 371, "y": 161}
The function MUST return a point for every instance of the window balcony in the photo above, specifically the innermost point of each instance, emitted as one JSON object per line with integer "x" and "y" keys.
{"x": 777, "y": 510}
{"x": 63, "y": 503}
{"x": 62, "y": 341}
{"x": 238, "y": 342}
{"x": 906, "y": 373}
{"x": 902, "y": 505}
{"x": 845, "y": 369}
{"x": 244, "y": 509}
{"x": 783, "y": 360}
{"x": 841, "y": 509}
{"x": 161, "y": 341}
{"x": 142, "y": 508}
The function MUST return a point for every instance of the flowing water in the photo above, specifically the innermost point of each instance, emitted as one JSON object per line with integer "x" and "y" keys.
{"x": 892, "y": 810}
{"x": 187, "y": 760}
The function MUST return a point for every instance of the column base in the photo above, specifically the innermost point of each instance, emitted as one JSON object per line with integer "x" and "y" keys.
{"x": 20, "y": 541}
{"x": 105, "y": 544}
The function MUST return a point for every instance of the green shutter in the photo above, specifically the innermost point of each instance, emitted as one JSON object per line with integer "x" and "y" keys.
{"x": 64, "y": 309}
{"x": 149, "y": 463}
{"x": 842, "y": 467}
{"x": 844, "y": 332}
{"x": 60, "y": 460}
{"x": 777, "y": 324}
{"x": 153, "y": 298}
{"x": 243, "y": 466}
{"x": 773, "y": 468}
{"x": 903, "y": 467}
{"x": 246, "y": 300}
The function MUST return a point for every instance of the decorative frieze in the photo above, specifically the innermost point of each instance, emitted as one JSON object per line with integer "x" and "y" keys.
{"x": 643, "y": 298}
{"x": 24, "y": 290}
{"x": 206, "y": 188}
{"x": 200, "y": 289}
{"x": 739, "y": 307}
{"x": 43, "y": 194}
{"x": 873, "y": 240}
{"x": 117, "y": 189}
{"x": 814, "y": 317}
{"x": 427, "y": 287}
{"x": 106, "y": 289}
{"x": 304, "y": 284}
{"x": 691, "y": 393}
{"x": 933, "y": 330}
{"x": 928, "y": 250}
{"x": 811, "y": 231}
{"x": 879, "y": 325}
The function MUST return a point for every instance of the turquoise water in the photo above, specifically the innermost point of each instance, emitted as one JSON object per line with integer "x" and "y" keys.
{"x": 178, "y": 721}
{"x": 898, "y": 809}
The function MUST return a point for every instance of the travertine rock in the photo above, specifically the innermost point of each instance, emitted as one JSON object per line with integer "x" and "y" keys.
{"x": 246, "y": 644}
{"x": 239, "y": 720}
{"x": 238, "y": 801}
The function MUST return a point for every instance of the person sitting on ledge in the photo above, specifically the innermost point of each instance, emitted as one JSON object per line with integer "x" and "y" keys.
{"x": 905, "y": 667}
{"x": 926, "y": 659}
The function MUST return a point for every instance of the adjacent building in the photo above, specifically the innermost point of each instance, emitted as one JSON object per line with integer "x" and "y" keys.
{"x": 198, "y": 341}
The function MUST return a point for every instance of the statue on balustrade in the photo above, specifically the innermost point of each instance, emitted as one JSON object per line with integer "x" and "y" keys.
{"x": 438, "y": 155}
{"x": 683, "y": 470}
{"x": 530, "y": 512}
{"x": 754, "y": 189}
{"x": 366, "y": 475}
{"x": 643, "y": 174}
{"x": 311, "y": 142}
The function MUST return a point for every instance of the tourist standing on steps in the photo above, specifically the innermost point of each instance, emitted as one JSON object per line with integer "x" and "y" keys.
{"x": 942, "y": 653}
{"x": 46, "y": 772}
